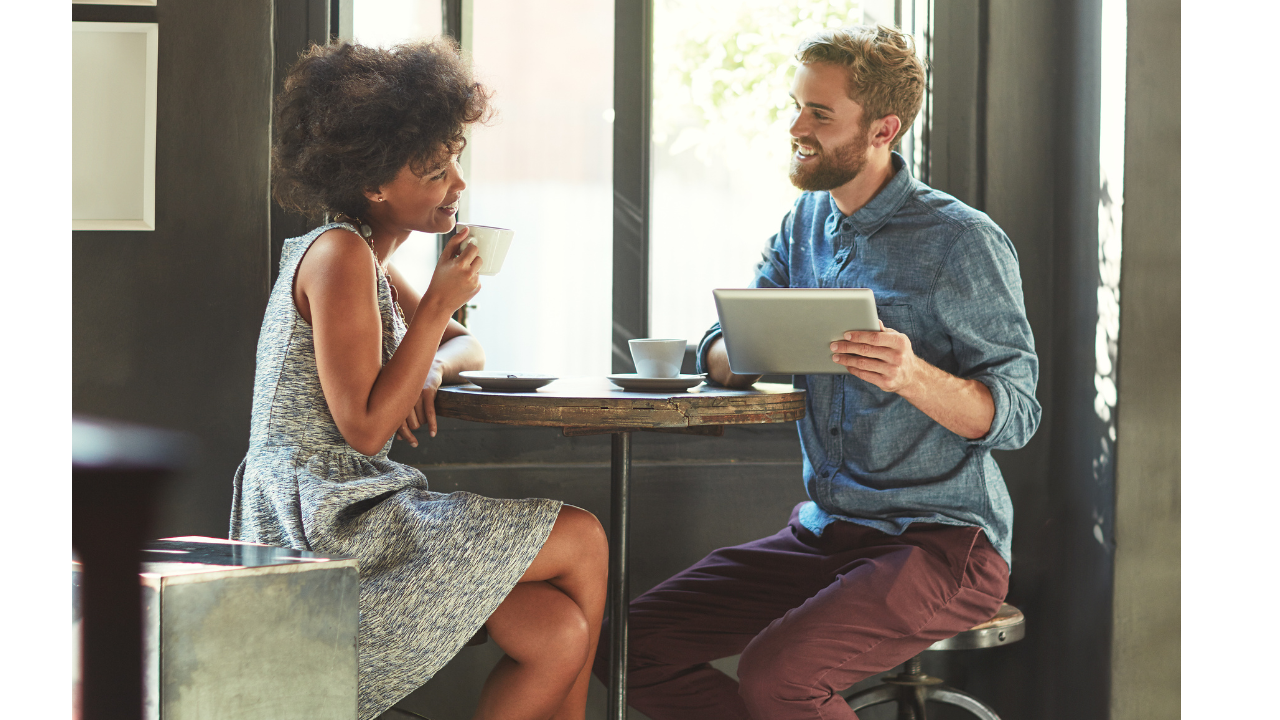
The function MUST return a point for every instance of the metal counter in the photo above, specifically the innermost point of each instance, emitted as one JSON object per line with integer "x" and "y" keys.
{"x": 236, "y": 631}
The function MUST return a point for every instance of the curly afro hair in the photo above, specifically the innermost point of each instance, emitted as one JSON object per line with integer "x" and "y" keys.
{"x": 350, "y": 117}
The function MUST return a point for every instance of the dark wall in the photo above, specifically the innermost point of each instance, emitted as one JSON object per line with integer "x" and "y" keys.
{"x": 298, "y": 25}
{"x": 1073, "y": 658}
{"x": 1068, "y": 594}
{"x": 164, "y": 323}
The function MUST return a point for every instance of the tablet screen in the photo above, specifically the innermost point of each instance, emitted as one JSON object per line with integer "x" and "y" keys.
{"x": 788, "y": 331}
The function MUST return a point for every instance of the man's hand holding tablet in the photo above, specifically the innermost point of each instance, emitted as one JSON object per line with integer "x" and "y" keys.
{"x": 884, "y": 359}
{"x": 781, "y": 330}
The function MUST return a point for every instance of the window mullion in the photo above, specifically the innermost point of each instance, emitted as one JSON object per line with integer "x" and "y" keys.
{"x": 632, "y": 104}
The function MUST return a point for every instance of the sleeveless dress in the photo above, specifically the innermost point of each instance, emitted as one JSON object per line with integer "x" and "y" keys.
{"x": 433, "y": 566}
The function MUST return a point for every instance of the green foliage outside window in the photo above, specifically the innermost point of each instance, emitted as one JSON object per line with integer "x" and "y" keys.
{"x": 723, "y": 70}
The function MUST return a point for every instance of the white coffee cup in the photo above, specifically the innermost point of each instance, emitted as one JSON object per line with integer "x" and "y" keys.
{"x": 657, "y": 357}
{"x": 493, "y": 243}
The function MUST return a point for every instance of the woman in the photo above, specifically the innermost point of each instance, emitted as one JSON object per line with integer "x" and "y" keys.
{"x": 350, "y": 355}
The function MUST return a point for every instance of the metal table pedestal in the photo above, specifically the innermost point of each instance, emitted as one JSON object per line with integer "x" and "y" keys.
{"x": 619, "y": 580}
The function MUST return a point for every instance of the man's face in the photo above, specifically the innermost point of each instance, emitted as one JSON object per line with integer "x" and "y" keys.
{"x": 828, "y": 140}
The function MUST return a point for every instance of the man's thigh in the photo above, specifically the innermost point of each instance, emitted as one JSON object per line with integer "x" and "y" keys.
{"x": 895, "y": 596}
{"x": 715, "y": 607}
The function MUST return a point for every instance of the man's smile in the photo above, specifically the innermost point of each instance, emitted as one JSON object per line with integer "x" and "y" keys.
{"x": 804, "y": 152}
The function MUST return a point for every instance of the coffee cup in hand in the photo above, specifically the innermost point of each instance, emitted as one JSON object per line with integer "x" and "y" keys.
{"x": 657, "y": 358}
{"x": 492, "y": 244}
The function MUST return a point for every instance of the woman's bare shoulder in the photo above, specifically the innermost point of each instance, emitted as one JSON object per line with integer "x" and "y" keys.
{"x": 339, "y": 266}
{"x": 338, "y": 252}
{"x": 339, "y": 243}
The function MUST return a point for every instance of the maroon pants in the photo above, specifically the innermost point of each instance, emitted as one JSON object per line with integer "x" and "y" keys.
{"x": 810, "y": 616}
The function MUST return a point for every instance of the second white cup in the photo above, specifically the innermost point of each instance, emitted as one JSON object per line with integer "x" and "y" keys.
{"x": 493, "y": 243}
{"x": 657, "y": 357}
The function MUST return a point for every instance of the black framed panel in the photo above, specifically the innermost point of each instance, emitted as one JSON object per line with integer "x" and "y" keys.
{"x": 112, "y": 13}
{"x": 632, "y": 106}
{"x": 298, "y": 25}
{"x": 451, "y": 18}
{"x": 957, "y": 138}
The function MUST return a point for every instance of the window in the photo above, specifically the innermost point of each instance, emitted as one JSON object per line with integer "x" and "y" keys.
{"x": 716, "y": 144}
{"x": 543, "y": 169}
{"x": 385, "y": 23}
{"x": 721, "y": 109}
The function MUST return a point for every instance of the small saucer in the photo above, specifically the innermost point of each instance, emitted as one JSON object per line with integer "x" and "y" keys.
{"x": 498, "y": 380}
{"x": 636, "y": 383}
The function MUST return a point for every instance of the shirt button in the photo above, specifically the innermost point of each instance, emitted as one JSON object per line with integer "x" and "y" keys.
{"x": 835, "y": 431}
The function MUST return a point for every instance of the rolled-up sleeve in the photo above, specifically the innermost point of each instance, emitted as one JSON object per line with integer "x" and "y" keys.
{"x": 701, "y": 358}
{"x": 978, "y": 298}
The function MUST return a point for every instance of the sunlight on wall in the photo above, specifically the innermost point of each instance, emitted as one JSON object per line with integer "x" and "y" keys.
{"x": 1110, "y": 217}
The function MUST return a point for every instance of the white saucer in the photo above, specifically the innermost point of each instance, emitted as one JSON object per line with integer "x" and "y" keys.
{"x": 636, "y": 383}
{"x": 498, "y": 380}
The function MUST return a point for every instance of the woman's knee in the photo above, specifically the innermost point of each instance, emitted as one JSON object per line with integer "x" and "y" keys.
{"x": 584, "y": 533}
{"x": 567, "y": 637}
{"x": 538, "y": 624}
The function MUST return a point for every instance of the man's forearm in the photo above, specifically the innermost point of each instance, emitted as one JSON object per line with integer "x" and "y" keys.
{"x": 718, "y": 367}
{"x": 964, "y": 407}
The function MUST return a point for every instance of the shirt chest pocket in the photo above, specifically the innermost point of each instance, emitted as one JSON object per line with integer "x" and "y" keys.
{"x": 899, "y": 317}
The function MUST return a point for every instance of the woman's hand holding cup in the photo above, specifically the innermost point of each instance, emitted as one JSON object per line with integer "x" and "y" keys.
{"x": 457, "y": 275}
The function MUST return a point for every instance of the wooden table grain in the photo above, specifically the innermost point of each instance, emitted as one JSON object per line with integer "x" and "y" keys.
{"x": 599, "y": 405}
{"x": 585, "y": 406}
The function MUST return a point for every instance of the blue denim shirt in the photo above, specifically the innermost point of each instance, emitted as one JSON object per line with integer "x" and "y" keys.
{"x": 946, "y": 276}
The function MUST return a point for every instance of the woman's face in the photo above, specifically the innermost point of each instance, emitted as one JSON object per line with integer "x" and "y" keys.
{"x": 426, "y": 204}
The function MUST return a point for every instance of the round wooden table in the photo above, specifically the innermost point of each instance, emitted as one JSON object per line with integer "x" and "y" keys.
{"x": 588, "y": 406}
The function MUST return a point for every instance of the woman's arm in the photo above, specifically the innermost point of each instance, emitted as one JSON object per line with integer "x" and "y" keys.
{"x": 459, "y": 351}
{"x": 336, "y": 291}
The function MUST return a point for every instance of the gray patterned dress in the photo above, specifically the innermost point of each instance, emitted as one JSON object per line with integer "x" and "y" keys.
{"x": 433, "y": 566}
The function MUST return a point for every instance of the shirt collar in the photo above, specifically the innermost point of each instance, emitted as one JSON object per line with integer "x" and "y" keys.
{"x": 870, "y": 217}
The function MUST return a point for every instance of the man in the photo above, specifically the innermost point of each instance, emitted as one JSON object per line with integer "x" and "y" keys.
{"x": 906, "y": 538}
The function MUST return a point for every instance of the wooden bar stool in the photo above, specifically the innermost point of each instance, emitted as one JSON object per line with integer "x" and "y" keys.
{"x": 911, "y": 689}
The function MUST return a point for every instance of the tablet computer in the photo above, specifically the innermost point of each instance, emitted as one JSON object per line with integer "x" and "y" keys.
{"x": 788, "y": 331}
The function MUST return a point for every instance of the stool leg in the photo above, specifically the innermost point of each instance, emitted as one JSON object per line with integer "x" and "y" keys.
{"x": 951, "y": 696}
{"x": 911, "y": 698}
{"x": 872, "y": 696}
{"x": 912, "y": 705}
{"x": 910, "y": 701}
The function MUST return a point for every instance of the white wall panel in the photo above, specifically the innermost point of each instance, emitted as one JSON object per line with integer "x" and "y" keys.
{"x": 113, "y": 127}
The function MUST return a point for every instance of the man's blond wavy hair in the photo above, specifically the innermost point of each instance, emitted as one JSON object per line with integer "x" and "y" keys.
{"x": 885, "y": 75}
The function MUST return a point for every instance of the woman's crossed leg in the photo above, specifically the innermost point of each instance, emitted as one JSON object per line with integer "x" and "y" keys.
{"x": 549, "y": 626}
